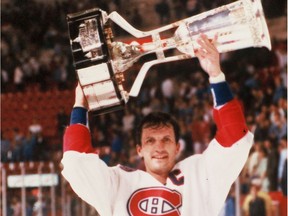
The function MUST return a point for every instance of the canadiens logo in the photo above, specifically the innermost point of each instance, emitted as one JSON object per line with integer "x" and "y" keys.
{"x": 156, "y": 201}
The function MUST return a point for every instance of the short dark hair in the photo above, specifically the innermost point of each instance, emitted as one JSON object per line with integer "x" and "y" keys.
{"x": 156, "y": 120}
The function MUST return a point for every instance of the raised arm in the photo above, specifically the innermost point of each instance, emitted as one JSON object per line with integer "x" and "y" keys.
{"x": 227, "y": 153}
{"x": 77, "y": 136}
{"x": 87, "y": 174}
{"x": 228, "y": 114}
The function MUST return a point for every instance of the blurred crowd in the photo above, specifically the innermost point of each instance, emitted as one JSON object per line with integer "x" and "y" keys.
{"x": 36, "y": 56}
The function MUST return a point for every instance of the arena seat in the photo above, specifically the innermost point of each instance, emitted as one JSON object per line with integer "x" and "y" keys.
{"x": 281, "y": 202}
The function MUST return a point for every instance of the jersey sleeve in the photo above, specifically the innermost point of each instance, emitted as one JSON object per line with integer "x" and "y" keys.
{"x": 90, "y": 178}
{"x": 230, "y": 122}
{"x": 227, "y": 153}
{"x": 77, "y": 138}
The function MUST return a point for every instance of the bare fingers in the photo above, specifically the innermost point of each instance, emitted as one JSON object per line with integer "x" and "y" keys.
{"x": 206, "y": 44}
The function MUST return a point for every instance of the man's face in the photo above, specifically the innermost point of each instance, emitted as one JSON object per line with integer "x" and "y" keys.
{"x": 158, "y": 150}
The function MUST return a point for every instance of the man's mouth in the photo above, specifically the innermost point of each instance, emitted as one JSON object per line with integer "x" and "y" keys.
{"x": 159, "y": 157}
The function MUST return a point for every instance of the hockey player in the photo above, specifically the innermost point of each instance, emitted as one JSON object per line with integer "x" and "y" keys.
{"x": 196, "y": 186}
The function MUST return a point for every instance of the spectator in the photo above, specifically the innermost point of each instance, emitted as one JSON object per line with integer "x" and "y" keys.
{"x": 280, "y": 89}
{"x": 17, "y": 142}
{"x": 128, "y": 121}
{"x": 276, "y": 112}
{"x": 272, "y": 164}
{"x": 29, "y": 145}
{"x": 260, "y": 169}
{"x": 35, "y": 127}
{"x": 251, "y": 122}
{"x": 40, "y": 151}
{"x": 256, "y": 205}
{"x": 162, "y": 8}
{"x": 253, "y": 158}
{"x": 105, "y": 154}
{"x": 283, "y": 157}
{"x": 137, "y": 20}
{"x": 257, "y": 202}
{"x": 283, "y": 180}
{"x": 229, "y": 208}
{"x": 19, "y": 78}
{"x": 262, "y": 126}
{"x": 16, "y": 206}
{"x": 278, "y": 127}
{"x": 192, "y": 8}
{"x": 200, "y": 130}
{"x": 167, "y": 89}
{"x": 60, "y": 72}
{"x": 62, "y": 121}
{"x": 187, "y": 139}
{"x": 5, "y": 146}
{"x": 40, "y": 207}
{"x": 116, "y": 147}
{"x": 4, "y": 81}
{"x": 178, "y": 8}
{"x": 274, "y": 9}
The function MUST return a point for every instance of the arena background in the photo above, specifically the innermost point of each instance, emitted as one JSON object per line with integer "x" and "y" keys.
{"x": 37, "y": 92}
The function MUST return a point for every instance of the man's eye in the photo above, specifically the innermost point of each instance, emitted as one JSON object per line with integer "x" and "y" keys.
{"x": 167, "y": 140}
{"x": 149, "y": 141}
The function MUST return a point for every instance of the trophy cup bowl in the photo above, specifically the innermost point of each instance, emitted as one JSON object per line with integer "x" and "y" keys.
{"x": 100, "y": 60}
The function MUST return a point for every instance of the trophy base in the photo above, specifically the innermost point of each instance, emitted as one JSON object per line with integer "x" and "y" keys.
{"x": 90, "y": 39}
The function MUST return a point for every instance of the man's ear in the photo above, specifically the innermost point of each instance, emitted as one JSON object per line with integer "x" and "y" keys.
{"x": 178, "y": 147}
{"x": 138, "y": 149}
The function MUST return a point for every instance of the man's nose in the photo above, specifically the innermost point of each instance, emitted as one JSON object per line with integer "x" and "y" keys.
{"x": 159, "y": 145}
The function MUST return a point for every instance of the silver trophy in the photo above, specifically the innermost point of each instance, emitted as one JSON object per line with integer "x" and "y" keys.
{"x": 100, "y": 60}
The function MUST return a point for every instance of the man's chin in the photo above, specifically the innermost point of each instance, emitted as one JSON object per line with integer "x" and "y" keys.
{"x": 160, "y": 166}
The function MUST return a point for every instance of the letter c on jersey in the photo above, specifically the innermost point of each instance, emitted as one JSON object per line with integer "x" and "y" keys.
{"x": 155, "y": 201}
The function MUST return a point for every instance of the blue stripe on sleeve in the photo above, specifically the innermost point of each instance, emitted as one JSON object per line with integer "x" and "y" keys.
{"x": 78, "y": 116}
{"x": 221, "y": 93}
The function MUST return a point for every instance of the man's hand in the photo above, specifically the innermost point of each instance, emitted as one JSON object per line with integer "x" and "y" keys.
{"x": 80, "y": 100}
{"x": 208, "y": 55}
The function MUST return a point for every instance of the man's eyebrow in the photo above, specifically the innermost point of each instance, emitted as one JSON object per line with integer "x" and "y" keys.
{"x": 149, "y": 137}
{"x": 152, "y": 137}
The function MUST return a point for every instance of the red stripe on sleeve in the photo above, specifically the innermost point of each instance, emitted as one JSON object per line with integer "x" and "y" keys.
{"x": 77, "y": 138}
{"x": 230, "y": 121}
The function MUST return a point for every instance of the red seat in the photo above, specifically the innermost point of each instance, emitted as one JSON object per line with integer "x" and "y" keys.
{"x": 282, "y": 200}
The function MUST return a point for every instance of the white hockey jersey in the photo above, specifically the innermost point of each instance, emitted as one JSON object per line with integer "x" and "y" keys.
{"x": 197, "y": 186}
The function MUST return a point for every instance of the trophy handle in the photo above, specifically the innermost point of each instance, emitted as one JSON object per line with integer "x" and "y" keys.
{"x": 120, "y": 21}
{"x": 146, "y": 66}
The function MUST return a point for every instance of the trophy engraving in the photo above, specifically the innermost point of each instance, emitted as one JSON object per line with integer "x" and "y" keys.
{"x": 100, "y": 60}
